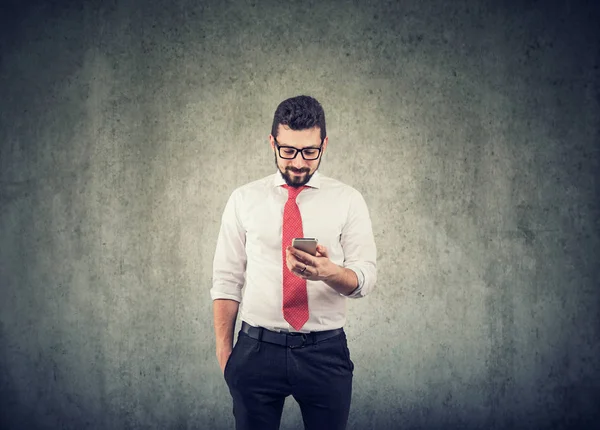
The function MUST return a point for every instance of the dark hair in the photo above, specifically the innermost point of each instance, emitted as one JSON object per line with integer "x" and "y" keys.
{"x": 299, "y": 113}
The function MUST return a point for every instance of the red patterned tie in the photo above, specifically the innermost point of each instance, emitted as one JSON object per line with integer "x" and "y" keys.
{"x": 295, "y": 299}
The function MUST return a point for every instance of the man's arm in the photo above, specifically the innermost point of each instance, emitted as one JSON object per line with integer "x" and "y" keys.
{"x": 229, "y": 266}
{"x": 358, "y": 243}
{"x": 343, "y": 280}
{"x": 321, "y": 268}
{"x": 225, "y": 313}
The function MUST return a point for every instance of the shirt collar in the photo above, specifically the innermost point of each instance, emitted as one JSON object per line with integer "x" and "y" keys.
{"x": 314, "y": 182}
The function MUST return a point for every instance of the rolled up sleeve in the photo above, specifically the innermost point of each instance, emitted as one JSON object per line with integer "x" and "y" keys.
{"x": 358, "y": 243}
{"x": 229, "y": 263}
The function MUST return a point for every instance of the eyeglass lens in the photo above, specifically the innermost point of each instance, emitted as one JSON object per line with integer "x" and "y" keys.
{"x": 290, "y": 153}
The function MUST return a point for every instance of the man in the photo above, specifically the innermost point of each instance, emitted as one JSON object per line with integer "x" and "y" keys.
{"x": 292, "y": 340}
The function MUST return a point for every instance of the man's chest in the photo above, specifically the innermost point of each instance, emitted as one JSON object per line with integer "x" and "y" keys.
{"x": 322, "y": 219}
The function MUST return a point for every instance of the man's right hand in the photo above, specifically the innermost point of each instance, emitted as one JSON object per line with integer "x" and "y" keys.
{"x": 225, "y": 313}
{"x": 222, "y": 358}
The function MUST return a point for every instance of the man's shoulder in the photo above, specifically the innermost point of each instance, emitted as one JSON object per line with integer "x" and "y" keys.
{"x": 329, "y": 183}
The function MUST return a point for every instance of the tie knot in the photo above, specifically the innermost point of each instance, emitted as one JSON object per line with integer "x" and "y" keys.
{"x": 293, "y": 191}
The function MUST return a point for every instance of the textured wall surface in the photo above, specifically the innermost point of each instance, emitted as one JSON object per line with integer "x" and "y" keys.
{"x": 471, "y": 128}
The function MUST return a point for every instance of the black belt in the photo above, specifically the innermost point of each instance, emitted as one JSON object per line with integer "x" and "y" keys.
{"x": 291, "y": 340}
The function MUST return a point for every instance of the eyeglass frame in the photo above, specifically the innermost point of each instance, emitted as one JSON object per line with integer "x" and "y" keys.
{"x": 301, "y": 151}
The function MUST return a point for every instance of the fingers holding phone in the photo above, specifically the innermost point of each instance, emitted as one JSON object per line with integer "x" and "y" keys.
{"x": 298, "y": 262}
{"x": 322, "y": 251}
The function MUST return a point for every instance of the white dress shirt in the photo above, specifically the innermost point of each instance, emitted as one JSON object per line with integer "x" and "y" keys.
{"x": 248, "y": 252}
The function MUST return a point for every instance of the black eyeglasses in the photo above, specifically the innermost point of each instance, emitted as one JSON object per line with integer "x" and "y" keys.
{"x": 289, "y": 152}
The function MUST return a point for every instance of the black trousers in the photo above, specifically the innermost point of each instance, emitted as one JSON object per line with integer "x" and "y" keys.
{"x": 260, "y": 375}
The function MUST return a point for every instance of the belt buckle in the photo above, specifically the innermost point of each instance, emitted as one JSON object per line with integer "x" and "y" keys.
{"x": 302, "y": 336}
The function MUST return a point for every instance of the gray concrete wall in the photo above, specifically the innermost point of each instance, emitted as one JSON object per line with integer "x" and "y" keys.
{"x": 470, "y": 127}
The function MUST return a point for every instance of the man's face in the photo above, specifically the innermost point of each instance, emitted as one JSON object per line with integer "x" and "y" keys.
{"x": 298, "y": 171}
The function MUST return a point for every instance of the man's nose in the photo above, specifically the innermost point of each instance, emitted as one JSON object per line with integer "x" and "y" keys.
{"x": 298, "y": 162}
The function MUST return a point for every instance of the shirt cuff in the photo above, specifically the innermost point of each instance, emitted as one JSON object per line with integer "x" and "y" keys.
{"x": 361, "y": 281}
{"x": 215, "y": 295}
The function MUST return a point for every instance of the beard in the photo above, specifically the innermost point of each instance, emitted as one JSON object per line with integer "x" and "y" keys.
{"x": 293, "y": 180}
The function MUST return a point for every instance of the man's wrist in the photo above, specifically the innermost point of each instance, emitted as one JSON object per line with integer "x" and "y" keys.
{"x": 224, "y": 345}
{"x": 334, "y": 274}
{"x": 343, "y": 280}
{"x": 223, "y": 349}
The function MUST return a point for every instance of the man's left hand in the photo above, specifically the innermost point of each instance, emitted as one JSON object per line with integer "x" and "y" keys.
{"x": 311, "y": 267}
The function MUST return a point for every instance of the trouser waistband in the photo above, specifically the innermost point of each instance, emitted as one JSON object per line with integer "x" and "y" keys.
{"x": 291, "y": 340}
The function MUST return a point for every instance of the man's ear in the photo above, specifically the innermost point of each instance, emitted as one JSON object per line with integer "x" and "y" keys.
{"x": 325, "y": 141}
{"x": 272, "y": 142}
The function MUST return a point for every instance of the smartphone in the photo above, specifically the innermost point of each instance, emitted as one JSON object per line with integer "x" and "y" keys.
{"x": 306, "y": 244}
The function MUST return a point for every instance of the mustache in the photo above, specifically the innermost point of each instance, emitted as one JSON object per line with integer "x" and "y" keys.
{"x": 297, "y": 170}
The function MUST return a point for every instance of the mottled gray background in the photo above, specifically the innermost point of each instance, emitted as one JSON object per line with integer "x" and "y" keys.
{"x": 470, "y": 127}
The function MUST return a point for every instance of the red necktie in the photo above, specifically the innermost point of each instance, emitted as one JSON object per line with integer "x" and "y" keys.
{"x": 295, "y": 299}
